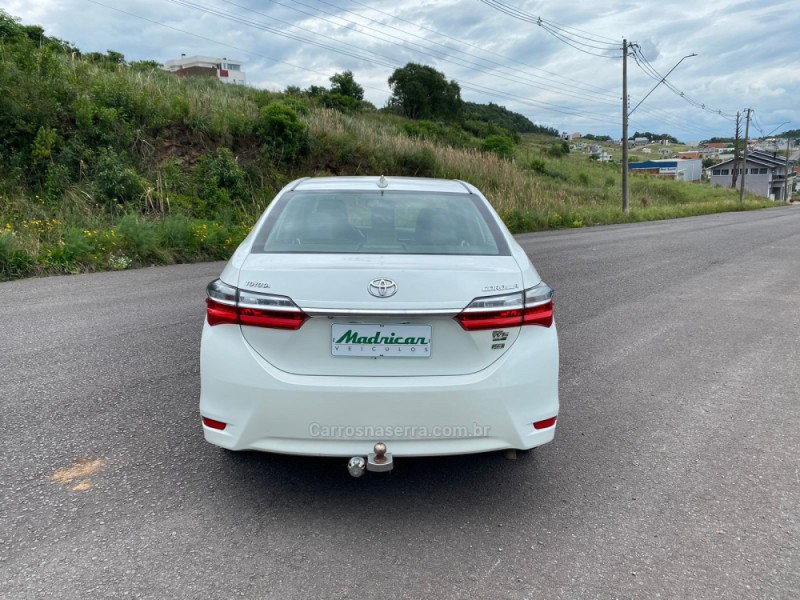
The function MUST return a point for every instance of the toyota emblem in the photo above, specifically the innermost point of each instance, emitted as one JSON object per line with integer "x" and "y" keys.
{"x": 382, "y": 287}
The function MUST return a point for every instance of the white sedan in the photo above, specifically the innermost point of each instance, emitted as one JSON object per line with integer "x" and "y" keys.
{"x": 379, "y": 317}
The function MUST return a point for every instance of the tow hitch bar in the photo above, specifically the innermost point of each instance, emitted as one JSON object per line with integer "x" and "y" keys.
{"x": 379, "y": 461}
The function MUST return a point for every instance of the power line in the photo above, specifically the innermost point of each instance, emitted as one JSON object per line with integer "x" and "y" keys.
{"x": 465, "y": 43}
{"x": 217, "y": 42}
{"x": 520, "y": 14}
{"x": 603, "y": 95}
{"x": 563, "y": 35}
{"x": 381, "y": 60}
{"x": 650, "y": 71}
{"x": 427, "y": 52}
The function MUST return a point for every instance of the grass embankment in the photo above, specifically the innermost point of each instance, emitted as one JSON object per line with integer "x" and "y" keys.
{"x": 106, "y": 166}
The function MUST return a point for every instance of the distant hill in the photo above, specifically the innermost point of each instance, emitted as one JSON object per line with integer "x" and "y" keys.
{"x": 504, "y": 118}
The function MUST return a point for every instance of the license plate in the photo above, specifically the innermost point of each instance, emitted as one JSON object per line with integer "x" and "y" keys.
{"x": 402, "y": 341}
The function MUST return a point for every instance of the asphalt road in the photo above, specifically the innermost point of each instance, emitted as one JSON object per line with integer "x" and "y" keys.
{"x": 675, "y": 472}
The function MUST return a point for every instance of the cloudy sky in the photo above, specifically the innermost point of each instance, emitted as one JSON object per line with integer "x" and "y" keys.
{"x": 560, "y": 64}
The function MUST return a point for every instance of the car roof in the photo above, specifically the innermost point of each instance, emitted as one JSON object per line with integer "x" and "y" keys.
{"x": 415, "y": 184}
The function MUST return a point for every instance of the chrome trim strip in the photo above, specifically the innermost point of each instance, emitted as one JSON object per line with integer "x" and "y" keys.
{"x": 273, "y": 307}
{"x": 221, "y": 301}
{"x": 492, "y": 309}
{"x": 354, "y": 312}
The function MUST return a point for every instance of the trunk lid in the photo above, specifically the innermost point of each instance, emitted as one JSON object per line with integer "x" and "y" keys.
{"x": 408, "y": 332}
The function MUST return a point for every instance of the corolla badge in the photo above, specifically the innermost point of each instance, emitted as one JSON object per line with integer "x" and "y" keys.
{"x": 382, "y": 287}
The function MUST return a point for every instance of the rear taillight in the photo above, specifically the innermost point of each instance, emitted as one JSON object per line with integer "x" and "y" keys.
{"x": 534, "y": 306}
{"x": 227, "y": 304}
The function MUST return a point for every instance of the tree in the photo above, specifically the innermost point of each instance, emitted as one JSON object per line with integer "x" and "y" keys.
{"x": 654, "y": 136}
{"x": 422, "y": 92}
{"x": 345, "y": 85}
{"x": 116, "y": 58}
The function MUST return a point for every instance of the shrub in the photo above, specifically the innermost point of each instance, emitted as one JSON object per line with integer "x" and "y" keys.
{"x": 538, "y": 166}
{"x": 417, "y": 162}
{"x": 340, "y": 102}
{"x": 14, "y": 261}
{"x": 137, "y": 238}
{"x": 283, "y": 133}
{"x": 499, "y": 144}
{"x": 557, "y": 150}
{"x": 220, "y": 180}
{"x": 77, "y": 246}
{"x": 175, "y": 236}
{"x": 115, "y": 181}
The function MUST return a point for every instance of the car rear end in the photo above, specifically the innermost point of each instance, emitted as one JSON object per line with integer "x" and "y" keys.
{"x": 362, "y": 310}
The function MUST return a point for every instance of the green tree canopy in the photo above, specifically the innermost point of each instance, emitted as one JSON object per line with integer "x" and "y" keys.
{"x": 654, "y": 136}
{"x": 344, "y": 84}
{"x": 422, "y": 92}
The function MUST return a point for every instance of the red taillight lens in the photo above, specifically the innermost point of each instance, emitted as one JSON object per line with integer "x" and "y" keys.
{"x": 276, "y": 319}
{"x": 227, "y": 305}
{"x": 541, "y": 314}
{"x": 219, "y": 313}
{"x": 532, "y": 307}
{"x": 214, "y": 424}
{"x": 474, "y": 321}
{"x": 545, "y": 423}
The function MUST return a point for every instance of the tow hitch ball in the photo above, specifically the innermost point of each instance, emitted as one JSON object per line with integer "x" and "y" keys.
{"x": 379, "y": 461}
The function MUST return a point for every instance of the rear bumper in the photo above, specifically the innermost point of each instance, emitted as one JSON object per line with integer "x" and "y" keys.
{"x": 270, "y": 410}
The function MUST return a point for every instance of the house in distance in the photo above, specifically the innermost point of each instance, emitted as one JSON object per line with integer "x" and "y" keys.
{"x": 766, "y": 175}
{"x": 225, "y": 69}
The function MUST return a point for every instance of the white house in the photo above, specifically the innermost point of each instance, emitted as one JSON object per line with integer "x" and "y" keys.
{"x": 765, "y": 174}
{"x": 225, "y": 69}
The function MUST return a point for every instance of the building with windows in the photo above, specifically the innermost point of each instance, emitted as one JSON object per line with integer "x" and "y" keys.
{"x": 766, "y": 175}
{"x": 678, "y": 169}
{"x": 225, "y": 69}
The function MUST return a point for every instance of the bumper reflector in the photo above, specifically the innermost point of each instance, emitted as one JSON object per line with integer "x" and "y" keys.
{"x": 213, "y": 424}
{"x": 545, "y": 423}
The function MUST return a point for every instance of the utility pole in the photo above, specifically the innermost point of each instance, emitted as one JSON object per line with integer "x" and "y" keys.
{"x": 786, "y": 175}
{"x": 746, "y": 141}
{"x": 626, "y": 113}
{"x": 625, "y": 126}
{"x": 736, "y": 149}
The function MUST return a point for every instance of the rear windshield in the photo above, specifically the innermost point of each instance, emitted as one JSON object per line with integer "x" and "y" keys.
{"x": 380, "y": 222}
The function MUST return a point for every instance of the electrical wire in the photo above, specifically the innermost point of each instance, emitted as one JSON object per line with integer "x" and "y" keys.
{"x": 426, "y": 51}
{"x": 520, "y": 14}
{"x": 604, "y": 95}
{"x": 649, "y": 70}
{"x": 563, "y": 35}
{"x": 378, "y": 59}
{"x": 217, "y": 42}
{"x": 572, "y": 81}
